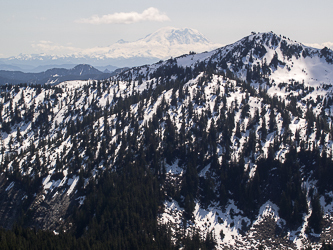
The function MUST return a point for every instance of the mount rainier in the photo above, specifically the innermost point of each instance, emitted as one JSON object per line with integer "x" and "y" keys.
{"x": 162, "y": 44}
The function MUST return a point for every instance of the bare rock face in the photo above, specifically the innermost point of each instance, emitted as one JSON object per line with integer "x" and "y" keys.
{"x": 270, "y": 235}
{"x": 12, "y": 199}
{"x": 46, "y": 211}
{"x": 50, "y": 211}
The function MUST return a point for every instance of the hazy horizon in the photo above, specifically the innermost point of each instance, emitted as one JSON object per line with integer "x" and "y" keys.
{"x": 64, "y": 27}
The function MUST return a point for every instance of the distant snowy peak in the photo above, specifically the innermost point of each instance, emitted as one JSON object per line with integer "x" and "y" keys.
{"x": 173, "y": 36}
{"x": 164, "y": 43}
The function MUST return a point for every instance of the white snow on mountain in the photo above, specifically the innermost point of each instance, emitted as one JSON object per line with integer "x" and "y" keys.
{"x": 162, "y": 44}
{"x": 226, "y": 224}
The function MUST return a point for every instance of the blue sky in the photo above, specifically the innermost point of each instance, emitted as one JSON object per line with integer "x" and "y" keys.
{"x": 37, "y": 26}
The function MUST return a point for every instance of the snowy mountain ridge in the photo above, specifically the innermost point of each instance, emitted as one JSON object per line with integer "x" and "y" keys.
{"x": 239, "y": 140}
{"x": 279, "y": 60}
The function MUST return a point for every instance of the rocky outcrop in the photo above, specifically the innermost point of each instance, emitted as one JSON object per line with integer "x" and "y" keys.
{"x": 12, "y": 200}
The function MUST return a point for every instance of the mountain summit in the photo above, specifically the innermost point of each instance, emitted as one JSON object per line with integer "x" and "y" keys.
{"x": 162, "y": 44}
{"x": 174, "y": 36}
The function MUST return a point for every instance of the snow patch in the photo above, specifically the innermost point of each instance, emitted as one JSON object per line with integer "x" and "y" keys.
{"x": 174, "y": 168}
{"x": 72, "y": 183}
{"x": 10, "y": 186}
{"x": 81, "y": 199}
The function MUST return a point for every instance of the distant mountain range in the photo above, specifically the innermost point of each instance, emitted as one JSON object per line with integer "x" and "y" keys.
{"x": 164, "y": 43}
{"x": 55, "y": 75}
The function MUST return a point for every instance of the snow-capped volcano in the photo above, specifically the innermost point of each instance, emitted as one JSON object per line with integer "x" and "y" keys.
{"x": 173, "y": 36}
{"x": 162, "y": 44}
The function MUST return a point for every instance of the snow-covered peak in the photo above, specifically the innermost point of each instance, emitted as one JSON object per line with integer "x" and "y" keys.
{"x": 267, "y": 55}
{"x": 164, "y": 43}
{"x": 288, "y": 47}
{"x": 175, "y": 36}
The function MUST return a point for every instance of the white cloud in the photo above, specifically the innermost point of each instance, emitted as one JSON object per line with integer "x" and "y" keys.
{"x": 320, "y": 45}
{"x": 150, "y": 14}
{"x": 50, "y": 47}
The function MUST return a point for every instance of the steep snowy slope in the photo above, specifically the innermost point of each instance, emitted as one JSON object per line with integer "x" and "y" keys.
{"x": 239, "y": 140}
{"x": 267, "y": 55}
